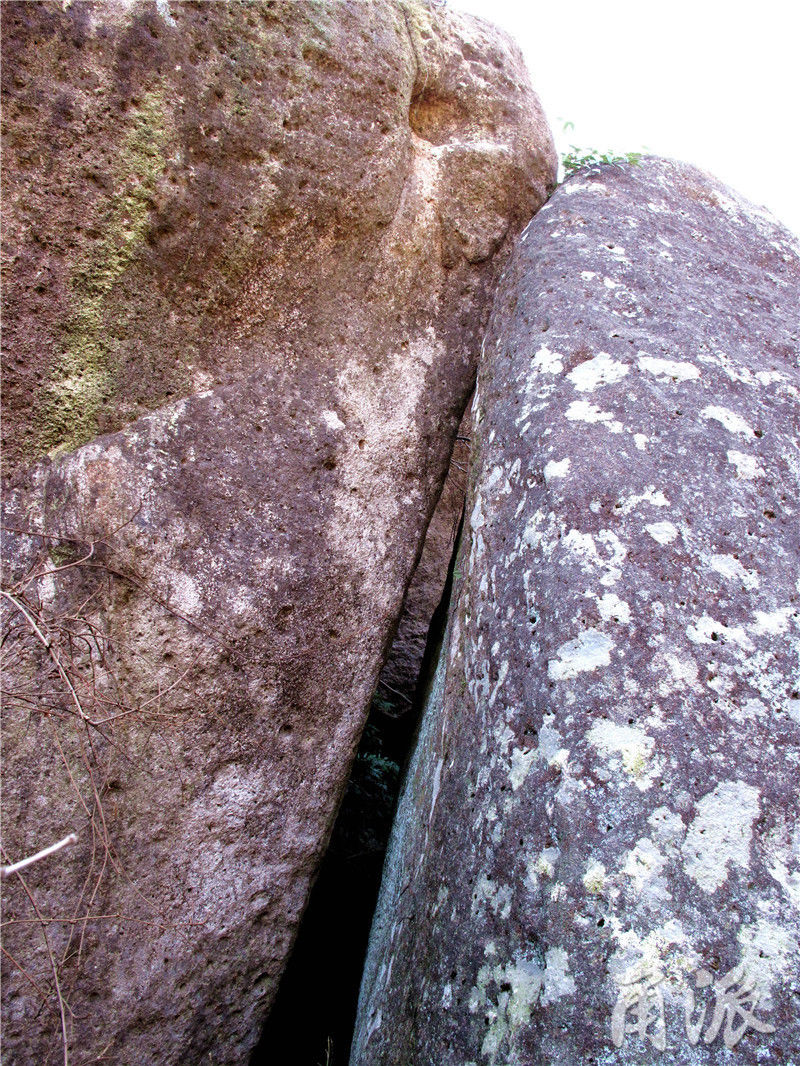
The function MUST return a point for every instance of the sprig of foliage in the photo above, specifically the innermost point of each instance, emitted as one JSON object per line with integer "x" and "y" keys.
{"x": 576, "y": 158}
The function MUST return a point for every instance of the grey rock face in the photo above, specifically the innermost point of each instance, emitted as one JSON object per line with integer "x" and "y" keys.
{"x": 276, "y": 304}
{"x": 597, "y": 857}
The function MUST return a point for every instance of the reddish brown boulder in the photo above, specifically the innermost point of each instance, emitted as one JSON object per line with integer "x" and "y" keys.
{"x": 253, "y": 244}
{"x": 596, "y": 856}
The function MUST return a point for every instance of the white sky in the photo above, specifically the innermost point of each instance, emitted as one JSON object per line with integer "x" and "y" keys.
{"x": 712, "y": 82}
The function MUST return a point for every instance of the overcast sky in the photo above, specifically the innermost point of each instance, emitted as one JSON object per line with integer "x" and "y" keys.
{"x": 714, "y": 83}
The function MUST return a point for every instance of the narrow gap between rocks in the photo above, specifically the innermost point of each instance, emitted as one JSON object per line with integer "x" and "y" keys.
{"x": 312, "y": 1019}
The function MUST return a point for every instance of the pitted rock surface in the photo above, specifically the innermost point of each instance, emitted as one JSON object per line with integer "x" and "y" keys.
{"x": 192, "y": 191}
{"x": 596, "y": 857}
{"x": 257, "y": 242}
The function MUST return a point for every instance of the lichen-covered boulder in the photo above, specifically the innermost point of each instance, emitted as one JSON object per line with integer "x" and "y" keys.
{"x": 596, "y": 857}
{"x": 253, "y": 244}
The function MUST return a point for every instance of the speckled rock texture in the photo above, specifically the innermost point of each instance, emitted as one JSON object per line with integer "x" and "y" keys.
{"x": 190, "y": 189}
{"x": 596, "y": 858}
{"x": 254, "y": 245}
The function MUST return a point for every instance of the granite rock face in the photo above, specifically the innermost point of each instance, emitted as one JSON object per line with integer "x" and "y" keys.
{"x": 254, "y": 245}
{"x": 190, "y": 189}
{"x": 596, "y": 857}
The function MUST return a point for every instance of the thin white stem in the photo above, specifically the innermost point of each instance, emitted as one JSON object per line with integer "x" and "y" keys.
{"x": 7, "y": 871}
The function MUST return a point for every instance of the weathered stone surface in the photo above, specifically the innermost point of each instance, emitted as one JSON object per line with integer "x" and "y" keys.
{"x": 272, "y": 168}
{"x": 271, "y": 226}
{"x": 600, "y": 820}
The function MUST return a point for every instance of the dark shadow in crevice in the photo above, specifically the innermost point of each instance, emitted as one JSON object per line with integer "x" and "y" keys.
{"x": 312, "y": 1020}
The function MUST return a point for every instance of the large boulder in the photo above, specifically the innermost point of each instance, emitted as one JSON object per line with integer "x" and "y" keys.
{"x": 253, "y": 246}
{"x": 596, "y": 857}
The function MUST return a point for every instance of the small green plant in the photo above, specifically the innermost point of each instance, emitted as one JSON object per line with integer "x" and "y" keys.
{"x": 575, "y": 158}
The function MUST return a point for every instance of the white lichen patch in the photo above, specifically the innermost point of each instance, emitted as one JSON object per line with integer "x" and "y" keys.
{"x": 662, "y": 957}
{"x": 594, "y": 879}
{"x": 747, "y": 466}
{"x": 543, "y": 864}
{"x": 600, "y": 370}
{"x": 616, "y": 251}
{"x": 548, "y": 362}
{"x": 683, "y": 673}
{"x": 667, "y": 828}
{"x": 730, "y": 567}
{"x": 789, "y": 880}
{"x": 662, "y": 532}
{"x": 521, "y": 762}
{"x": 332, "y": 420}
{"x": 707, "y": 630}
{"x": 555, "y": 469}
{"x": 729, "y": 419}
{"x": 720, "y": 833}
{"x": 550, "y": 741}
{"x": 626, "y": 747}
{"x": 668, "y": 369}
{"x": 651, "y": 495}
{"x": 558, "y": 981}
{"x": 641, "y": 441}
{"x": 767, "y": 951}
{"x": 643, "y": 864}
{"x": 489, "y": 894}
{"x": 583, "y": 547}
{"x": 613, "y": 609}
{"x": 771, "y": 623}
{"x": 583, "y": 411}
{"x": 505, "y": 995}
{"x": 587, "y": 652}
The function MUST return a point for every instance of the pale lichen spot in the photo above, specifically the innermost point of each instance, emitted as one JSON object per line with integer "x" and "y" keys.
{"x": 662, "y": 532}
{"x": 729, "y": 419}
{"x": 655, "y": 497}
{"x": 667, "y": 827}
{"x": 628, "y": 747}
{"x": 730, "y": 567}
{"x": 613, "y": 609}
{"x": 186, "y": 595}
{"x": 555, "y": 469}
{"x": 643, "y": 865}
{"x": 558, "y": 981}
{"x": 720, "y": 833}
{"x": 583, "y": 411}
{"x": 601, "y": 370}
{"x": 707, "y": 630}
{"x": 548, "y": 362}
{"x": 668, "y": 369}
{"x": 505, "y": 995}
{"x": 595, "y": 877}
{"x": 587, "y": 652}
{"x": 747, "y": 466}
{"x": 332, "y": 420}
{"x": 771, "y": 623}
{"x": 664, "y": 954}
{"x": 767, "y": 951}
{"x": 521, "y": 762}
{"x": 683, "y": 674}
